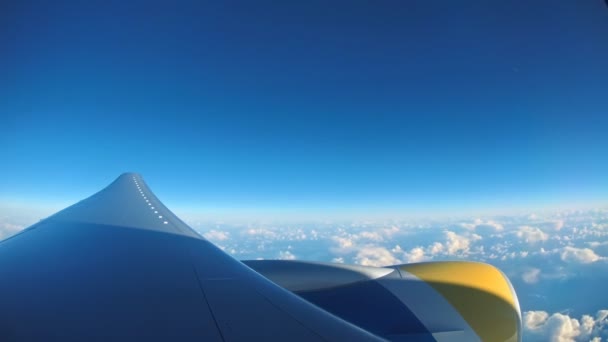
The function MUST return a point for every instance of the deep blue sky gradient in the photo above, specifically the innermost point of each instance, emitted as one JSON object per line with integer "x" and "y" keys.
{"x": 307, "y": 105}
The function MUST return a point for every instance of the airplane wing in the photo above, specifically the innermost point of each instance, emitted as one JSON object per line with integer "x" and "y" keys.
{"x": 120, "y": 266}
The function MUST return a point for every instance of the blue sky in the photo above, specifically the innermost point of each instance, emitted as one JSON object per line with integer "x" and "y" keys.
{"x": 348, "y": 107}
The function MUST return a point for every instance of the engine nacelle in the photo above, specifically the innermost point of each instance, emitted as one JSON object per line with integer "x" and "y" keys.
{"x": 431, "y": 301}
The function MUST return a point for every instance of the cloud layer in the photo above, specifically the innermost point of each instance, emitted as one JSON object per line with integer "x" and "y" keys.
{"x": 560, "y": 327}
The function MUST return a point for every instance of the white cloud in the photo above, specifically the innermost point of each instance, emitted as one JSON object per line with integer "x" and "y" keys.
{"x": 531, "y": 234}
{"x": 534, "y": 320}
{"x": 416, "y": 254}
{"x": 375, "y": 256}
{"x": 596, "y": 244}
{"x": 579, "y": 255}
{"x": 216, "y": 235}
{"x": 345, "y": 244}
{"x": 8, "y": 229}
{"x": 263, "y": 232}
{"x": 388, "y": 232}
{"x": 459, "y": 244}
{"x": 377, "y": 235}
{"x": 286, "y": 255}
{"x": 436, "y": 248}
{"x": 374, "y": 236}
{"x": 531, "y": 276}
{"x": 587, "y": 325}
{"x": 562, "y": 327}
{"x": 487, "y": 225}
{"x": 559, "y": 327}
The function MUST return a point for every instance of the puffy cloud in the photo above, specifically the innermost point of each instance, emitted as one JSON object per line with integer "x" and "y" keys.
{"x": 419, "y": 253}
{"x": 344, "y": 243}
{"x": 602, "y": 316}
{"x": 459, "y": 244}
{"x": 559, "y": 327}
{"x": 416, "y": 255}
{"x": 436, "y": 248}
{"x": 286, "y": 255}
{"x": 481, "y": 225}
{"x": 388, "y": 232}
{"x": 587, "y": 324}
{"x": 562, "y": 327}
{"x": 375, "y": 256}
{"x": 8, "y": 229}
{"x": 531, "y": 276}
{"x": 374, "y": 236}
{"x": 339, "y": 260}
{"x": 579, "y": 255}
{"x": 534, "y": 320}
{"x": 263, "y": 232}
{"x": 347, "y": 242}
{"x": 531, "y": 234}
{"x": 216, "y": 235}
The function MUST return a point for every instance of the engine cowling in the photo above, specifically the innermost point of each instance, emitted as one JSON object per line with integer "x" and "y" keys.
{"x": 431, "y": 301}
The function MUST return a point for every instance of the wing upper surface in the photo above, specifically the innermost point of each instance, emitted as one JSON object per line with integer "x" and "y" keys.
{"x": 119, "y": 265}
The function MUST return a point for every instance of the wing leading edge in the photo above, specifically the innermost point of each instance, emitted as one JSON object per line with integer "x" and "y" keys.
{"x": 120, "y": 265}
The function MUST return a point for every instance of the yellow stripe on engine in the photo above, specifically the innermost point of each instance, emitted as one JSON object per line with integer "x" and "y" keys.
{"x": 479, "y": 292}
